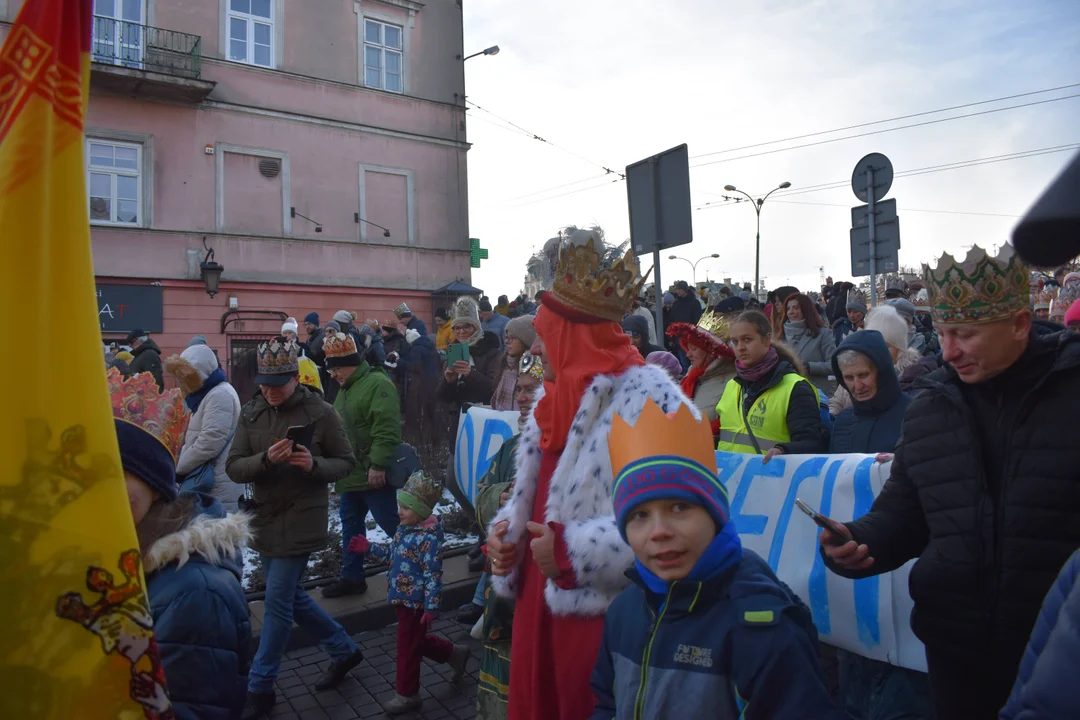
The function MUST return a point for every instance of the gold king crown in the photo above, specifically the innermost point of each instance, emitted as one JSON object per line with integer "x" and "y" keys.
{"x": 585, "y": 285}
{"x": 714, "y": 324}
{"x": 980, "y": 289}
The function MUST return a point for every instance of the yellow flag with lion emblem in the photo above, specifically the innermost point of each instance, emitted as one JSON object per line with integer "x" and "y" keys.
{"x": 76, "y": 633}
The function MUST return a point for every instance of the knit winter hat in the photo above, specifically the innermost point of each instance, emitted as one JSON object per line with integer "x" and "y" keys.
{"x": 420, "y": 494}
{"x": 887, "y": 321}
{"x": 197, "y": 340}
{"x": 333, "y": 325}
{"x": 313, "y": 318}
{"x": 344, "y": 317}
{"x": 664, "y": 457}
{"x": 125, "y": 356}
{"x": 904, "y": 307}
{"x": 668, "y": 299}
{"x": 412, "y": 336}
{"x": 485, "y": 305}
{"x": 856, "y": 301}
{"x": 290, "y": 325}
{"x": 467, "y": 312}
{"x": 522, "y": 328}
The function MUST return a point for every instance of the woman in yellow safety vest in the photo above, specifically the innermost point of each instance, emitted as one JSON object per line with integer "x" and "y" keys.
{"x": 769, "y": 408}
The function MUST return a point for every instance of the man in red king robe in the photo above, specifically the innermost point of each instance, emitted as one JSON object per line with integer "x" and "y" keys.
{"x": 555, "y": 546}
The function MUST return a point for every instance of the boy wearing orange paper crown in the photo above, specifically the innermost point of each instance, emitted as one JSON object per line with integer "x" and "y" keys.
{"x": 415, "y": 580}
{"x": 707, "y": 627}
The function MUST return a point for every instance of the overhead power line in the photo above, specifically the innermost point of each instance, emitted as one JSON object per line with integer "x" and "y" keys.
{"x": 904, "y": 209}
{"x": 884, "y": 130}
{"x": 1020, "y": 155}
{"x": 537, "y": 137}
{"x": 887, "y": 120}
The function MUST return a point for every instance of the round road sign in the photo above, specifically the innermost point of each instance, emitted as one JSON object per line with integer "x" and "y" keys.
{"x": 883, "y": 176}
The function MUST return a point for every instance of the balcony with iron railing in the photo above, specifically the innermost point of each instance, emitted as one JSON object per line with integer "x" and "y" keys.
{"x": 141, "y": 60}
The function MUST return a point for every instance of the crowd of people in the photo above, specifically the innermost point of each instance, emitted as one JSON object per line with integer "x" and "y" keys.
{"x": 614, "y": 583}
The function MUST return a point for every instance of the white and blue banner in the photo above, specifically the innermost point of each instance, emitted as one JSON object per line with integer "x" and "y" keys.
{"x": 870, "y": 616}
{"x": 481, "y": 432}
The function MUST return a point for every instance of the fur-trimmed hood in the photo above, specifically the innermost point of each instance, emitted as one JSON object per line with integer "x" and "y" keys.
{"x": 217, "y": 541}
{"x": 192, "y": 367}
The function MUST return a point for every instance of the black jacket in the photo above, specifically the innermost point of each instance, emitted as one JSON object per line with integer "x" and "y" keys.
{"x": 640, "y": 327}
{"x": 985, "y": 491}
{"x": 686, "y": 309}
{"x": 805, "y": 426}
{"x": 148, "y": 359}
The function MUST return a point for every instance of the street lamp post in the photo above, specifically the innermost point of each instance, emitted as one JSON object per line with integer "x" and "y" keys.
{"x": 757, "y": 243}
{"x": 493, "y": 50}
{"x": 693, "y": 265}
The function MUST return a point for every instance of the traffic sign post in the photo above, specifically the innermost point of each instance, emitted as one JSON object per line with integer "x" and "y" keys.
{"x": 875, "y": 231}
{"x": 658, "y": 195}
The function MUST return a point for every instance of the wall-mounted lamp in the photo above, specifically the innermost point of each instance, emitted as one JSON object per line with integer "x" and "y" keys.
{"x": 210, "y": 271}
{"x": 358, "y": 220}
{"x": 493, "y": 50}
{"x": 318, "y": 227}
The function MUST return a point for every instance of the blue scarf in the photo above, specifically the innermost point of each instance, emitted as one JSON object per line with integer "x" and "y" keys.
{"x": 212, "y": 381}
{"x": 723, "y": 553}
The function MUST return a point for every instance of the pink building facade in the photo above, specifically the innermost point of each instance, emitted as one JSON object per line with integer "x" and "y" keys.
{"x": 224, "y": 123}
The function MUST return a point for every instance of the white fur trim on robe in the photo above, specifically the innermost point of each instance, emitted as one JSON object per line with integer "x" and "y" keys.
{"x": 580, "y": 491}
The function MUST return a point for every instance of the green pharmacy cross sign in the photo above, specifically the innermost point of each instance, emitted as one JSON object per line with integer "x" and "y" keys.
{"x": 476, "y": 253}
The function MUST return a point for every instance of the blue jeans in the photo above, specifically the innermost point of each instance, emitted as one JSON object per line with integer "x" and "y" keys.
{"x": 481, "y": 588}
{"x": 354, "y": 509}
{"x": 873, "y": 690}
{"x": 287, "y": 601}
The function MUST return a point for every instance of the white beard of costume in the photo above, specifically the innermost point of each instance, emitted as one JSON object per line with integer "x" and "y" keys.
{"x": 581, "y": 487}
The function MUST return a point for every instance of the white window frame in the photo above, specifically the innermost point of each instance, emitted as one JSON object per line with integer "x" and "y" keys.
{"x": 383, "y": 50}
{"x": 250, "y": 21}
{"x": 219, "y": 182}
{"x": 138, "y": 174}
{"x": 363, "y": 13}
{"x": 410, "y": 200}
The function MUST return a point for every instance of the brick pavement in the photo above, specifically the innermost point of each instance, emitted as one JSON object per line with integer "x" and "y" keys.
{"x": 371, "y": 683}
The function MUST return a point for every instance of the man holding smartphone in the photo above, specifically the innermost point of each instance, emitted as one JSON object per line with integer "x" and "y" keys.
{"x": 985, "y": 483}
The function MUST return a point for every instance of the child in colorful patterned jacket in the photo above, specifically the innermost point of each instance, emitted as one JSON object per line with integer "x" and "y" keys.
{"x": 415, "y": 587}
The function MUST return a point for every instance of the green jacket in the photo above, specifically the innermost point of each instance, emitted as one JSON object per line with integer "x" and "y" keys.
{"x": 369, "y": 406}
{"x": 495, "y": 482}
{"x": 290, "y": 516}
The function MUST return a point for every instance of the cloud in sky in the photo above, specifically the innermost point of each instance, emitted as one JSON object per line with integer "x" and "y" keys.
{"x": 614, "y": 81}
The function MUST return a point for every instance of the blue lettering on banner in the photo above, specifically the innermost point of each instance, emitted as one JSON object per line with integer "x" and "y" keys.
{"x": 818, "y": 590}
{"x": 470, "y": 480}
{"x": 866, "y": 589}
{"x": 753, "y": 524}
{"x": 493, "y": 427}
{"x": 808, "y": 469}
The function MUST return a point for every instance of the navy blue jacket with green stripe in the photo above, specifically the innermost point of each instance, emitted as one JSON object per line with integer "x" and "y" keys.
{"x": 741, "y": 645}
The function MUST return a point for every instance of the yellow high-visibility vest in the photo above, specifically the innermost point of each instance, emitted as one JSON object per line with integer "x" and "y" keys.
{"x": 767, "y": 416}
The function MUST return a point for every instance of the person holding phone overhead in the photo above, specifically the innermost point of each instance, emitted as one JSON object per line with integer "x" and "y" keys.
{"x": 769, "y": 408}
{"x": 469, "y": 375}
{"x": 289, "y": 513}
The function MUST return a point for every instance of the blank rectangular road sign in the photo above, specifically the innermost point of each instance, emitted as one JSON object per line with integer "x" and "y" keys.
{"x": 886, "y": 248}
{"x": 884, "y": 212}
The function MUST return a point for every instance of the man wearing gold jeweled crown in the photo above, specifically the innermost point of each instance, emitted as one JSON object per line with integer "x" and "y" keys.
{"x": 555, "y": 545}
{"x": 985, "y": 486}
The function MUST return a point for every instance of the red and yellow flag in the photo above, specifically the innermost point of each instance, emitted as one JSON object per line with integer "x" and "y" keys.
{"x": 76, "y": 633}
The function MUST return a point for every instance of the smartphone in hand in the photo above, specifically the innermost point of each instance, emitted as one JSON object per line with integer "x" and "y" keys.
{"x": 837, "y": 530}
{"x": 457, "y": 352}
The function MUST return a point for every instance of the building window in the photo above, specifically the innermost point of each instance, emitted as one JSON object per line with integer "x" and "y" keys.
{"x": 113, "y": 177}
{"x": 382, "y": 56}
{"x": 251, "y": 32}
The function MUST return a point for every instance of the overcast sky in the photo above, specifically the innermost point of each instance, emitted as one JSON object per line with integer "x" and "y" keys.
{"x": 614, "y": 81}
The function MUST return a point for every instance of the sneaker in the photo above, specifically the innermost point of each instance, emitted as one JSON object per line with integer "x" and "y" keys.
{"x": 458, "y": 658}
{"x": 400, "y": 704}
{"x": 343, "y": 588}
{"x": 257, "y": 705}
{"x": 338, "y": 670}
{"x": 469, "y": 614}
